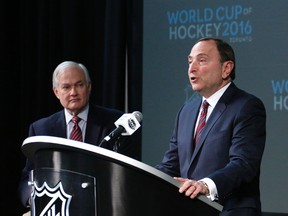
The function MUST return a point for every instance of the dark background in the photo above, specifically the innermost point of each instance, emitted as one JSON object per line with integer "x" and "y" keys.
{"x": 35, "y": 36}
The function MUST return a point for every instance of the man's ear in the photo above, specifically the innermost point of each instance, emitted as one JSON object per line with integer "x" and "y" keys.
{"x": 227, "y": 68}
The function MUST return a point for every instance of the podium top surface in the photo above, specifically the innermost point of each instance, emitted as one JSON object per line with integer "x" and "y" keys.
{"x": 32, "y": 144}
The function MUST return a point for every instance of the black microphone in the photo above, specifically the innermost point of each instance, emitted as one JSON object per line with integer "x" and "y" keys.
{"x": 126, "y": 125}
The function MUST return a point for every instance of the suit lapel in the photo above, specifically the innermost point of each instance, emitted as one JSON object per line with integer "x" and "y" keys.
{"x": 215, "y": 115}
{"x": 60, "y": 125}
{"x": 92, "y": 130}
{"x": 191, "y": 118}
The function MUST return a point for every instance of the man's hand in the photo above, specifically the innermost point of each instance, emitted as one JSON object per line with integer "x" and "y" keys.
{"x": 192, "y": 188}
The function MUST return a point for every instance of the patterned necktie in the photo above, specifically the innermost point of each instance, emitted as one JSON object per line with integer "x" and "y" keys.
{"x": 76, "y": 133}
{"x": 201, "y": 122}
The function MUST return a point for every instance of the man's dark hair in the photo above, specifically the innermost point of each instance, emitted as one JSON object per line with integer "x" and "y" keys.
{"x": 226, "y": 52}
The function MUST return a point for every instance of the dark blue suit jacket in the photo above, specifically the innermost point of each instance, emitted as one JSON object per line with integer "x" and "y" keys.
{"x": 100, "y": 123}
{"x": 229, "y": 151}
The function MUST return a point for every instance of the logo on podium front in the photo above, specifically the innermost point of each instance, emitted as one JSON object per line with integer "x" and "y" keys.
{"x": 50, "y": 201}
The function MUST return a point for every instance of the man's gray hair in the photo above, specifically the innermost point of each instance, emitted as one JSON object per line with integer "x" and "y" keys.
{"x": 66, "y": 64}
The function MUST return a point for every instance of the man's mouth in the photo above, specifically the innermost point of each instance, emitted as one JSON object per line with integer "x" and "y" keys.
{"x": 193, "y": 79}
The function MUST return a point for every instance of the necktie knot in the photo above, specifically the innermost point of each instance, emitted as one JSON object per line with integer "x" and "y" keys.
{"x": 205, "y": 105}
{"x": 76, "y": 119}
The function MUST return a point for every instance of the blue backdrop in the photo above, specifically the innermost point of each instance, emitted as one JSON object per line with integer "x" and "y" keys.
{"x": 258, "y": 32}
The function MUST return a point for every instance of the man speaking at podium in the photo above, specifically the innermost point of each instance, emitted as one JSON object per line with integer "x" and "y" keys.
{"x": 72, "y": 86}
{"x": 221, "y": 157}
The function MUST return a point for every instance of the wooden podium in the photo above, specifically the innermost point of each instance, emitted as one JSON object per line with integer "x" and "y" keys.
{"x": 77, "y": 179}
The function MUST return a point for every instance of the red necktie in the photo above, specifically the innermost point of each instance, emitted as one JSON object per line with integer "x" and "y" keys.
{"x": 201, "y": 122}
{"x": 76, "y": 133}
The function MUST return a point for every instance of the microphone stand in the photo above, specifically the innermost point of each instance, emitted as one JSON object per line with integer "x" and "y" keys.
{"x": 116, "y": 144}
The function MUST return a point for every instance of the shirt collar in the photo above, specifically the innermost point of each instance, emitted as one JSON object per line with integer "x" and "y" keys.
{"x": 83, "y": 114}
{"x": 213, "y": 99}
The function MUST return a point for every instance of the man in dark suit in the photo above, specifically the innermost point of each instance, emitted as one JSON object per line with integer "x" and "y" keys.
{"x": 225, "y": 163}
{"x": 72, "y": 86}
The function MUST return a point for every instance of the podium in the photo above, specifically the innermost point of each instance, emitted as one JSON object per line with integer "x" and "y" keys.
{"x": 73, "y": 178}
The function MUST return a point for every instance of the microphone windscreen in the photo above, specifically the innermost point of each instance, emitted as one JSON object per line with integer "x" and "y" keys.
{"x": 138, "y": 115}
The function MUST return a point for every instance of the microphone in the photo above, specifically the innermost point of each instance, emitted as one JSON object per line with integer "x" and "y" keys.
{"x": 126, "y": 125}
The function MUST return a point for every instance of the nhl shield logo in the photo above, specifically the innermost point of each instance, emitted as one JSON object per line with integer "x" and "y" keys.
{"x": 52, "y": 201}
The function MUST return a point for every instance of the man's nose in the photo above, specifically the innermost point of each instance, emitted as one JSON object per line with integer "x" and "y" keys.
{"x": 73, "y": 90}
{"x": 192, "y": 67}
